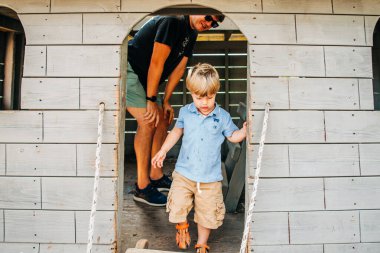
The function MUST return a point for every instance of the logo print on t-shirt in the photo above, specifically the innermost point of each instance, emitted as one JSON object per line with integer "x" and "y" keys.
{"x": 184, "y": 44}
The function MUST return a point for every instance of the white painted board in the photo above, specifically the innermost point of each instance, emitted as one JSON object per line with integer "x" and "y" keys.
{"x": 323, "y": 93}
{"x": 371, "y": 7}
{"x": 85, "y": 5}
{"x": 353, "y": 248}
{"x": 370, "y": 23}
{"x": 352, "y": 193}
{"x": 324, "y": 227}
{"x": 289, "y": 127}
{"x": 288, "y": 249}
{"x": 109, "y": 28}
{"x": 104, "y": 230}
{"x": 76, "y": 193}
{"x": 18, "y": 247}
{"x": 52, "y": 28}
{"x": 41, "y": 159}
{"x": 330, "y": 30}
{"x": 269, "y": 90}
{"x": 370, "y": 225}
{"x": 2, "y": 159}
{"x": 75, "y": 248}
{"x": 231, "y": 6}
{"x": 20, "y": 193}
{"x": 269, "y": 228}
{"x": 366, "y": 94}
{"x": 324, "y": 160}
{"x": 86, "y": 160}
{"x": 93, "y": 91}
{"x": 359, "y": 126}
{"x": 83, "y": 61}
{"x": 370, "y": 159}
{"x": 27, "y": 6}
{"x": 278, "y": 60}
{"x": 297, "y": 6}
{"x": 348, "y": 61}
{"x": 50, "y": 93}
{"x": 274, "y": 163}
{"x": 34, "y": 61}
{"x": 301, "y": 194}
{"x": 2, "y": 225}
{"x": 39, "y": 226}
{"x": 79, "y": 126}
{"x": 149, "y": 6}
{"x": 20, "y": 126}
{"x": 256, "y": 27}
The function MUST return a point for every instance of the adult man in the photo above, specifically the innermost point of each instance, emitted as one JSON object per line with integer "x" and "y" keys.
{"x": 159, "y": 50}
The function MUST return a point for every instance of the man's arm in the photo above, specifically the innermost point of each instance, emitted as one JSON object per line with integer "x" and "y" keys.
{"x": 173, "y": 81}
{"x": 160, "y": 54}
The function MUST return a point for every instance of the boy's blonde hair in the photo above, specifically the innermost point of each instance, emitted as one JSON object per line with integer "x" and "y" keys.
{"x": 203, "y": 80}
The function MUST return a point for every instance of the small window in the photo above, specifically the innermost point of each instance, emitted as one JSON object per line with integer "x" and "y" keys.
{"x": 376, "y": 66}
{"x": 12, "y": 47}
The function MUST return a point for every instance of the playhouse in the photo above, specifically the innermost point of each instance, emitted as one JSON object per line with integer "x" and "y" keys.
{"x": 316, "y": 62}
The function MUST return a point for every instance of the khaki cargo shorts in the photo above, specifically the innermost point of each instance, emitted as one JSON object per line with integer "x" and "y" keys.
{"x": 208, "y": 205}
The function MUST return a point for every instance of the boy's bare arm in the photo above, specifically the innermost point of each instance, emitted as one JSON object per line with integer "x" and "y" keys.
{"x": 170, "y": 141}
{"x": 238, "y": 135}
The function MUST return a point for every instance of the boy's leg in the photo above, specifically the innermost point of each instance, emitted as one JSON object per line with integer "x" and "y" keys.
{"x": 203, "y": 234}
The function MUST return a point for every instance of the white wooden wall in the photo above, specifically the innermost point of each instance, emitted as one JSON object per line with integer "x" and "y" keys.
{"x": 310, "y": 59}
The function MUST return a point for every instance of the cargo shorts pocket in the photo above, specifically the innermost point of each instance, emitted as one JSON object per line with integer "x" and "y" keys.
{"x": 169, "y": 202}
{"x": 220, "y": 210}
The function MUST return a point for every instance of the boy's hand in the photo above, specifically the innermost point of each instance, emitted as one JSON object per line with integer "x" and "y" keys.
{"x": 158, "y": 159}
{"x": 244, "y": 128}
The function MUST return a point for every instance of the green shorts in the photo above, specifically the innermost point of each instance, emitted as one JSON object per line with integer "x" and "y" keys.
{"x": 136, "y": 95}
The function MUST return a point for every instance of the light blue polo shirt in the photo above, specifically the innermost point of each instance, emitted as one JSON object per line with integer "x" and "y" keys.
{"x": 199, "y": 158}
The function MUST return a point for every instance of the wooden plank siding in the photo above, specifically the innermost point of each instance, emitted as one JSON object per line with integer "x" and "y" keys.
{"x": 74, "y": 248}
{"x": 19, "y": 247}
{"x": 2, "y": 159}
{"x": 85, "y": 6}
{"x": 28, "y": 6}
{"x": 297, "y": 6}
{"x": 370, "y": 7}
{"x": 352, "y": 248}
{"x": 370, "y": 23}
{"x": 369, "y": 159}
{"x": 270, "y": 228}
{"x": 149, "y": 6}
{"x": 1, "y": 226}
{"x": 86, "y": 160}
{"x": 35, "y": 61}
{"x": 20, "y": 126}
{"x": 231, "y": 6}
{"x": 93, "y": 91}
{"x": 370, "y": 225}
{"x": 103, "y": 230}
{"x": 289, "y": 249}
{"x": 20, "y": 193}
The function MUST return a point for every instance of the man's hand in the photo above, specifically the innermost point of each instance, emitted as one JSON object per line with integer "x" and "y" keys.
{"x": 168, "y": 112}
{"x": 152, "y": 114}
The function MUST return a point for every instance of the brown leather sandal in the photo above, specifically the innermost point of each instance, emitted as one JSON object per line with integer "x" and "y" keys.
{"x": 183, "y": 236}
{"x": 202, "y": 248}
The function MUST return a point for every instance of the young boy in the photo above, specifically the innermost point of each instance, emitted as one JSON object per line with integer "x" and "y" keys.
{"x": 197, "y": 175}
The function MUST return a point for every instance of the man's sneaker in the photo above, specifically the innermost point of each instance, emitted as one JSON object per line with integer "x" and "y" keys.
{"x": 149, "y": 195}
{"x": 163, "y": 184}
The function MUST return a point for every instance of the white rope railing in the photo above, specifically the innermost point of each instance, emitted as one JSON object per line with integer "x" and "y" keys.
{"x": 96, "y": 181}
{"x": 252, "y": 200}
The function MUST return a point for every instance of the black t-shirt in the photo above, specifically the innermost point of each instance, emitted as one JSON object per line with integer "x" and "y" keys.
{"x": 174, "y": 31}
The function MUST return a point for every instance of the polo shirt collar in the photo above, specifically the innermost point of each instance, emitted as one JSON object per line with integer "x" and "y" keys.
{"x": 214, "y": 112}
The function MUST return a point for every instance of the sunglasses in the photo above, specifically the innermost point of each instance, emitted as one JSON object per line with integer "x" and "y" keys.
{"x": 209, "y": 18}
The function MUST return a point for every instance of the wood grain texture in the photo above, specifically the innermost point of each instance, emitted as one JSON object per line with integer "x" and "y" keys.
{"x": 35, "y": 61}
{"x": 352, "y": 248}
{"x": 39, "y": 226}
{"x": 366, "y": 94}
{"x": 269, "y": 90}
{"x": 255, "y": 27}
{"x": 370, "y": 225}
{"x": 50, "y": 93}
{"x": 1, "y": 226}
{"x": 231, "y": 6}
{"x": 20, "y": 126}
{"x": 288, "y": 249}
{"x": 274, "y": 163}
{"x": 289, "y": 127}
{"x": 301, "y": 194}
{"x": 93, "y": 91}
{"x": 371, "y": 7}
{"x": 369, "y": 159}
{"x": 324, "y": 227}
{"x": 149, "y": 6}
{"x": 268, "y": 60}
{"x": 104, "y": 230}
{"x": 52, "y": 28}
{"x": 330, "y": 30}
{"x": 2, "y": 159}
{"x": 27, "y": 6}
{"x": 76, "y": 193}
{"x": 86, "y": 160}
{"x": 41, "y": 159}
{"x": 323, "y": 94}
{"x": 370, "y": 23}
{"x": 324, "y": 160}
{"x": 85, "y": 6}
{"x": 74, "y": 248}
{"x": 348, "y": 61}
{"x": 19, "y": 247}
{"x": 20, "y": 193}
{"x": 79, "y": 126}
{"x": 352, "y": 193}
{"x": 269, "y": 228}
{"x": 353, "y": 126}
{"x": 109, "y": 28}
{"x": 297, "y": 6}
{"x": 83, "y": 61}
